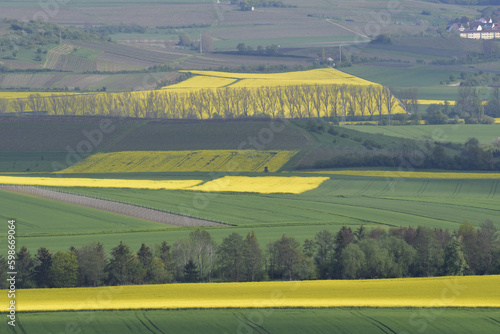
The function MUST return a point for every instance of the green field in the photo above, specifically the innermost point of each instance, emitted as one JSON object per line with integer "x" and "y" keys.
{"x": 69, "y": 220}
{"x": 377, "y": 201}
{"x": 403, "y": 76}
{"x": 456, "y": 133}
{"x": 343, "y": 320}
{"x": 343, "y": 200}
{"x": 430, "y": 80}
{"x": 424, "y": 78}
{"x": 135, "y": 134}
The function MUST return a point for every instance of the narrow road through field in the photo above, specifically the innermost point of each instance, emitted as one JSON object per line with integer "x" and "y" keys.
{"x": 115, "y": 207}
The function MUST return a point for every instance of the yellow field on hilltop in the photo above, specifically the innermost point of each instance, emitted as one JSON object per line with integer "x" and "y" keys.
{"x": 183, "y": 161}
{"x": 323, "y": 76}
{"x": 457, "y": 291}
{"x": 98, "y": 183}
{"x": 262, "y": 185}
{"x": 415, "y": 175}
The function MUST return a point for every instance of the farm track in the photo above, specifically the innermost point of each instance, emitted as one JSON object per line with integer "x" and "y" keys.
{"x": 114, "y": 207}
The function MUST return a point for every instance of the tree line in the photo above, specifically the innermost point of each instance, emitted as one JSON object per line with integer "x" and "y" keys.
{"x": 347, "y": 254}
{"x": 368, "y": 102}
{"x": 469, "y": 156}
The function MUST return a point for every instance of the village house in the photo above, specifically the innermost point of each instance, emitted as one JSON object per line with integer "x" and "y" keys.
{"x": 483, "y": 28}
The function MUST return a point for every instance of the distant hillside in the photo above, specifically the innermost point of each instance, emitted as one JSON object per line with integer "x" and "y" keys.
{"x": 48, "y": 144}
{"x": 37, "y": 144}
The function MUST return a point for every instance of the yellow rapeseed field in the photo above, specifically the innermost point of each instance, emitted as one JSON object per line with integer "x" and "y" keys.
{"x": 416, "y": 175}
{"x": 24, "y": 95}
{"x": 98, "y": 183}
{"x": 452, "y": 103}
{"x": 262, "y": 184}
{"x": 457, "y": 291}
{"x": 183, "y": 161}
{"x": 203, "y": 82}
{"x": 323, "y": 76}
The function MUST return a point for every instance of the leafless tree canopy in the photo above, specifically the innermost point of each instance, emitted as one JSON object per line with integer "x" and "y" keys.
{"x": 281, "y": 101}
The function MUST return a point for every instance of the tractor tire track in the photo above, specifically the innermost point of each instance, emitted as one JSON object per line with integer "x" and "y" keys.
{"x": 152, "y": 323}
{"x": 493, "y": 190}
{"x": 422, "y": 188}
{"x": 114, "y": 207}
{"x": 457, "y": 190}
{"x": 251, "y": 323}
{"x": 383, "y": 327}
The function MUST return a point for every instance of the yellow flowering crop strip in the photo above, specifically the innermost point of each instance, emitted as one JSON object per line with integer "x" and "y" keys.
{"x": 416, "y": 175}
{"x": 451, "y": 103}
{"x": 262, "y": 184}
{"x": 183, "y": 161}
{"x": 25, "y": 95}
{"x": 99, "y": 183}
{"x": 456, "y": 291}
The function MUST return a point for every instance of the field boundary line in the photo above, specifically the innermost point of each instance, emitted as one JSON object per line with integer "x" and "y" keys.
{"x": 121, "y": 208}
{"x": 354, "y": 32}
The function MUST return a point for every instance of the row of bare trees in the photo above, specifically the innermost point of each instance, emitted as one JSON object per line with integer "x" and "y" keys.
{"x": 281, "y": 101}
